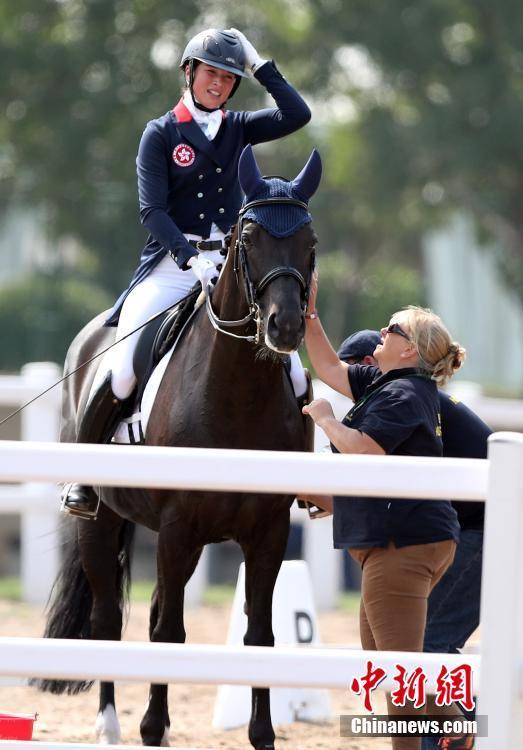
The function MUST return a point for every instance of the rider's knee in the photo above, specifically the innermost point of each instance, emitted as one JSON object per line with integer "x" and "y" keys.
{"x": 122, "y": 382}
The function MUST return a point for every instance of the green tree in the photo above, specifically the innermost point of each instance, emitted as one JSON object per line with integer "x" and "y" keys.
{"x": 416, "y": 114}
{"x": 40, "y": 315}
{"x": 79, "y": 84}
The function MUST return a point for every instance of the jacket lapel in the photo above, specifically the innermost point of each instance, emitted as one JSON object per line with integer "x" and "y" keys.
{"x": 191, "y": 131}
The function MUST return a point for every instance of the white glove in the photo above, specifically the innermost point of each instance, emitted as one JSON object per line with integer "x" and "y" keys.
{"x": 203, "y": 268}
{"x": 252, "y": 59}
{"x": 215, "y": 256}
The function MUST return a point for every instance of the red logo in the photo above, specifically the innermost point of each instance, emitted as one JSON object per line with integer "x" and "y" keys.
{"x": 367, "y": 683}
{"x": 451, "y": 686}
{"x": 411, "y": 687}
{"x": 455, "y": 686}
{"x": 183, "y": 155}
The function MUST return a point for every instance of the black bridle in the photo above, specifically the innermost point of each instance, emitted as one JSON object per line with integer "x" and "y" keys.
{"x": 253, "y": 291}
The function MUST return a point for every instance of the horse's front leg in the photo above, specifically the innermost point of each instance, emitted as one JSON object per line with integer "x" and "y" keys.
{"x": 101, "y": 544}
{"x": 177, "y": 559}
{"x": 263, "y": 556}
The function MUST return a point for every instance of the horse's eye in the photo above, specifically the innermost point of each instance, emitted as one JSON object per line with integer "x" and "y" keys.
{"x": 247, "y": 239}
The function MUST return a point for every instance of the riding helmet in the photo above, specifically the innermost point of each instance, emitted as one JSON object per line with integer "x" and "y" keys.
{"x": 221, "y": 49}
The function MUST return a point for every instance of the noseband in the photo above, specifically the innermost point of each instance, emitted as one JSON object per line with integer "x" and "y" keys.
{"x": 253, "y": 291}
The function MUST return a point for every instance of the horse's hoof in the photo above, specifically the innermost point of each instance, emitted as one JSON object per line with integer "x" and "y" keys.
{"x": 107, "y": 727}
{"x": 150, "y": 739}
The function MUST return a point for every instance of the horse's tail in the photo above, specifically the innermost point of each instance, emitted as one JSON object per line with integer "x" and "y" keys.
{"x": 70, "y": 602}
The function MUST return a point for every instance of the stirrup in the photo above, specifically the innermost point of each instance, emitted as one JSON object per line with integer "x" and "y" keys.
{"x": 85, "y": 514}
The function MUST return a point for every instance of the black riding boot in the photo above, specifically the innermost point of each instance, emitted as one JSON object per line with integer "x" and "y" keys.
{"x": 101, "y": 418}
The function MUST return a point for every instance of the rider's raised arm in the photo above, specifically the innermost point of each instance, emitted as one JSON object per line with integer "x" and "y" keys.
{"x": 291, "y": 111}
{"x": 290, "y": 114}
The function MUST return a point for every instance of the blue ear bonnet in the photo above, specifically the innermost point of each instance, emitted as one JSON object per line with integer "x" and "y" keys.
{"x": 279, "y": 220}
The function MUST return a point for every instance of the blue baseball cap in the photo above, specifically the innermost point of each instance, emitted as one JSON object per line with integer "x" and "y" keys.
{"x": 360, "y": 344}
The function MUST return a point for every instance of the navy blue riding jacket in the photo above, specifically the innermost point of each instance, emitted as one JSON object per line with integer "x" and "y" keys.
{"x": 400, "y": 411}
{"x": 186, "y": 182}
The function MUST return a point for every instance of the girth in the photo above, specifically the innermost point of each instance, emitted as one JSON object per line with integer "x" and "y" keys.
{"x": 204, "y": 245}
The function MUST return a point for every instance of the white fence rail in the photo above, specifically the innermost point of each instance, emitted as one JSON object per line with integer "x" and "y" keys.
{"x": 500, "y": 480}
{"x": 259, "y": 666}
{"x": 38, "y": 504}
{"x": 242, "y": 470}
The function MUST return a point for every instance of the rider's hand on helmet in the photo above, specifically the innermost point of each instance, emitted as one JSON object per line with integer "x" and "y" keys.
{"x": 204, "y": 270}
{"x": 253, "y": 61}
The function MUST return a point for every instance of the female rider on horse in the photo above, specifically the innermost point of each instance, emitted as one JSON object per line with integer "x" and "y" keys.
{"x": 189, "y": 198}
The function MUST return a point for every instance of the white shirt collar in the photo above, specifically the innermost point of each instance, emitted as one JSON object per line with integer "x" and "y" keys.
{"x": 209, "y": 122}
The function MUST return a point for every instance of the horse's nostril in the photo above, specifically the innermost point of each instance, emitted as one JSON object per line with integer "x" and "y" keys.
{"x": 284, "y": 332}
{"x": 272, "y": 324}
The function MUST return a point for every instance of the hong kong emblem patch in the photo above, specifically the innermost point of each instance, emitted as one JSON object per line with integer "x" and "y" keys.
{"x": 183, "y": 155}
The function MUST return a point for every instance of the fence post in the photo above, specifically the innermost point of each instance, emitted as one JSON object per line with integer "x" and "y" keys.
{"x": 39, "y": 532}
{"x": 502, "y": 597}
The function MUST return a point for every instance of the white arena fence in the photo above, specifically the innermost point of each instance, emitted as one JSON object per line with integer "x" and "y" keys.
{"x": 38, "y": 503}
{"x": 498, "y": 480}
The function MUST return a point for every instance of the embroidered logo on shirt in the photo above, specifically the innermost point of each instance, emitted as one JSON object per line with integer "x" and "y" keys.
{"x": 183, "y": 155}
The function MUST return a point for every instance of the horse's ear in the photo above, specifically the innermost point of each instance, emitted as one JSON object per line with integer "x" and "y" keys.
{"x": 249, "y": 174}
{"x": 306, "y": 183}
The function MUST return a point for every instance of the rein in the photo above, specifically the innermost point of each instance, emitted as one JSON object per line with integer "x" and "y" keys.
{"x": 252, "y": 291}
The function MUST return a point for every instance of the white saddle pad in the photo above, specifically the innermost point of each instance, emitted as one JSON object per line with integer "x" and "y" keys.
{"x": 130, "y": 430}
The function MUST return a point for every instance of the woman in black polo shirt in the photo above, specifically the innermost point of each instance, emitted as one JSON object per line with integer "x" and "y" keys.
{"x": 402, "y": 546}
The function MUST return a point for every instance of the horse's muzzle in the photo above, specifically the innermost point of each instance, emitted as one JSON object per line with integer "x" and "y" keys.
{"x": 284, "y": 331}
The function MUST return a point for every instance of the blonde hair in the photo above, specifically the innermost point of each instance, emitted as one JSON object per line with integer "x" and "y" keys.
{"x": 437, "y": 352}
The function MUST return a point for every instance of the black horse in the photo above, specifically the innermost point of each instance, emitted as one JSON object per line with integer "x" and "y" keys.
{"x": 226, "y": 386}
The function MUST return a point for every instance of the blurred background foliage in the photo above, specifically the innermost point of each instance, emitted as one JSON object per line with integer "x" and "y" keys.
{"x": 417, "y": 109}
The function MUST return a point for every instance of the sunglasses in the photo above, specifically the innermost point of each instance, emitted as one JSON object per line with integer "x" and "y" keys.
{"x": 396, "y": 328}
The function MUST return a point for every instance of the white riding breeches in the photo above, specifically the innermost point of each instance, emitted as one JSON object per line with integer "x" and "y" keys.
{"x": 165, "y": 285}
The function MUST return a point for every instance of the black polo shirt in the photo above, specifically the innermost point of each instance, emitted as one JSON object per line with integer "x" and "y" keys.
{"x": 464, "y": 436}
{"x": 400, "y": 411}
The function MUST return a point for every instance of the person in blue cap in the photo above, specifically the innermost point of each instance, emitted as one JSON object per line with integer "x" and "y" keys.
{"x": 189, "y": 198}
{"x": 358, "y": 348}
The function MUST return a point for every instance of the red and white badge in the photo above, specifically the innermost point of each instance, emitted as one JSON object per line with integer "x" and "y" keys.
{"x": 183, "y": 155}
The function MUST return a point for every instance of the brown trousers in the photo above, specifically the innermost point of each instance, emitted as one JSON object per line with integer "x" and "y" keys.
{"x": 396, "y": 583}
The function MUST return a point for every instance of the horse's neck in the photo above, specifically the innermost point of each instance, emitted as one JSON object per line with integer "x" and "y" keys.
{"x": 229, "y": 300}
{"x": 228, "y": 356}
